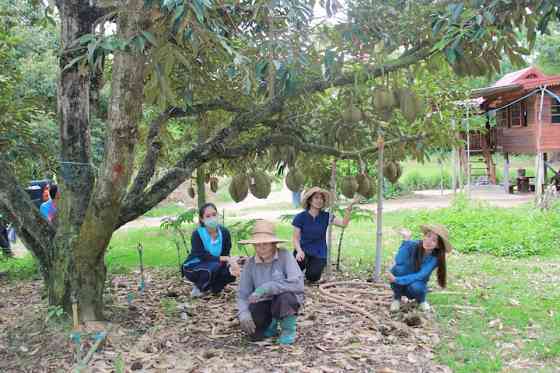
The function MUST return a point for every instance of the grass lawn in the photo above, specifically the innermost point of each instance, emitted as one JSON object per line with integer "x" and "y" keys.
{"x": 508, "y": 317}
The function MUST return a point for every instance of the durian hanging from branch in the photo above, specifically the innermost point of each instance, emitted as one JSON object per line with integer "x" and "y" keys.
{"x": 260, "y": 185}
{"x": 239, "y": 187}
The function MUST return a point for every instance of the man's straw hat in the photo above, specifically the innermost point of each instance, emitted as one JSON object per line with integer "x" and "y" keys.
{"x": 263, "y": 232}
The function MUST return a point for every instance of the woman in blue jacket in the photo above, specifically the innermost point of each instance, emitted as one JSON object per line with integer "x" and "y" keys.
{"x": 415, "y": 262}
{"x": 207, "y": 265}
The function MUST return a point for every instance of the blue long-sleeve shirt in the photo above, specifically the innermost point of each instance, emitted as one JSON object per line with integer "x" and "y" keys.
{"x": 404, "y": 269}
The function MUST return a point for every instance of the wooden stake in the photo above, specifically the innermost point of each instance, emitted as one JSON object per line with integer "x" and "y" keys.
{"x": 142, "y": 282}
{"x": 75, "y": 319}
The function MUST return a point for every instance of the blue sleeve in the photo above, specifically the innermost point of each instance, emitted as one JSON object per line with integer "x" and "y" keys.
{"x": 44, "y": 210}
{"x": 298, "y": 221}
{"x": 197, "y": 249}
{"x": 422, "y": 275}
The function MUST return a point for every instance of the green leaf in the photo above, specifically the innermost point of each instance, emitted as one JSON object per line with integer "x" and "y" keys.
{"x": 150, "y": 37}
{"x": 73, "y": 62}
{"x": 198, "y": 10}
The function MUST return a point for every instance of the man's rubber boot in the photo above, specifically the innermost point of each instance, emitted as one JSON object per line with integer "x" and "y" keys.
{"x": 272, "y": 329}
{"x": 288, "y": 335}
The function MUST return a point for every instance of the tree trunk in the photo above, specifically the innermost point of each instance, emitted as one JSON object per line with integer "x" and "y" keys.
{"x": 90, "y": 208}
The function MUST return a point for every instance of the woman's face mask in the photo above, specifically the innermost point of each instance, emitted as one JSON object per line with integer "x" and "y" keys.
{"x": 211, "y": 222}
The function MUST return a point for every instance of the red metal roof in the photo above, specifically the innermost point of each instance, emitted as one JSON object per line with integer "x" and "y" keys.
{"x": 520, "y": 81}
{"x": 528, "y": 78}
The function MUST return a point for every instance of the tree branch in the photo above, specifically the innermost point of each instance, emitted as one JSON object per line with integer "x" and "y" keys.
{"x": 213, "y": 149}
{"x": 35, "y": 231}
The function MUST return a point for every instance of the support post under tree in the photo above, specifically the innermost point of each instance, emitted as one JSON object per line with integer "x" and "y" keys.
{"x": 333, "y": 197}
{"x": 506, "y": 172}
{"x": 379, "y": 236}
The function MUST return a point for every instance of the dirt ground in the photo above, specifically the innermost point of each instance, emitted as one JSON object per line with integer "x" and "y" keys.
{"x": 163, "y": 330}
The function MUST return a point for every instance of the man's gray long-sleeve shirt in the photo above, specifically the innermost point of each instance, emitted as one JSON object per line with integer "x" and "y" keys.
{"x": 280, "y": 275}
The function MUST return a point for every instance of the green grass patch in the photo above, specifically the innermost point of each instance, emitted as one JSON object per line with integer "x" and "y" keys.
{"x": 477, "y": 227}
{"x": 20, "y": 268}
{"x": 166, "y": 210}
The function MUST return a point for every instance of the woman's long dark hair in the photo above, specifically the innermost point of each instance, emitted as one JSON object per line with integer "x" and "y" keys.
{"x": 439, "y": 252}
{"x": 202, "y": 209}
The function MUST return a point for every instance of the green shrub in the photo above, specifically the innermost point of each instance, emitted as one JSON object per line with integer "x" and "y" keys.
{"x": 517, "y": 232}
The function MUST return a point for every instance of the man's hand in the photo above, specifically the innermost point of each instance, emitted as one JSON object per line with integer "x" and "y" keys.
{"x": 390, "y": 277}
{"x": 300, "y": 255}
{"x": 257, "y": 295}
{"x": 247, "y": 324}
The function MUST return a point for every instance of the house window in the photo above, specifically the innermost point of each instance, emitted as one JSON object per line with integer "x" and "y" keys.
{"x": 502, "y": 118}
{"x": 555, "y": 111}
{"x": 518, "y": 115}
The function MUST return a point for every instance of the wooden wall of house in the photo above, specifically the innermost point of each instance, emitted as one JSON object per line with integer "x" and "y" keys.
{"x": 517, "y": 140}
{"x": 550, "y": 135}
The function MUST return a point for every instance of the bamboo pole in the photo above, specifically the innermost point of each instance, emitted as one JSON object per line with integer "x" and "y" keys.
{"x": 379, "y": 235}
{"x": 329, "y": 229}
{"x": 454, "y": 162}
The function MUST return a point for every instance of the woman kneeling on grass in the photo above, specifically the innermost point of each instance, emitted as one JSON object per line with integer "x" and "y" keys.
{"x": 270, "y": 288}
{"x": 415, "y": 262}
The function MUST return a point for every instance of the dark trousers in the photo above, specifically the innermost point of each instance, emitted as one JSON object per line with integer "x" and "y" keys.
{"x": 211, "y": 276}
{"x": 313, "y": 267}
{"x": 416, "y": 290}
{"x": 280, "y": 306}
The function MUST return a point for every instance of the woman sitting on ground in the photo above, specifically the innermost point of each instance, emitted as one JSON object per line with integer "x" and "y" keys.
{"x": 270, "y": 288}
{"x": 207, "y": 265}
{"x": 310, "y": 231}
{"x": 415, "y": 262}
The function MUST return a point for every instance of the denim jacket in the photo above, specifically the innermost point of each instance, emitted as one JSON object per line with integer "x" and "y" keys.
{"x": 404, "y": 269}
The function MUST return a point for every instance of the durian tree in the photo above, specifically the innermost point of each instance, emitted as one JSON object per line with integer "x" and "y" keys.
{"x": 272, "y": 76}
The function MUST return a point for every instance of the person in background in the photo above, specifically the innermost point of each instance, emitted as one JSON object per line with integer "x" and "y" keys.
{"x": 415, "y": 262}
{"x": 49, "y": 208}
{"x": 207, "y": 266}
{"x": 310, "y": 231}
{"x": 271, "y": 288}
{"x": 4, "y": 239}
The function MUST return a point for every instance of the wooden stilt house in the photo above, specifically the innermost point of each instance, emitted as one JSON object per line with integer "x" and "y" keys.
{"x": 526, "y": 105}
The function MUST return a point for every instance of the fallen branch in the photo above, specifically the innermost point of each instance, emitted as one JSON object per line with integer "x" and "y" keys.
{"x": 361, "y": 291}
{"x": 343, "y": 302}
{"x": 354, "y": 283}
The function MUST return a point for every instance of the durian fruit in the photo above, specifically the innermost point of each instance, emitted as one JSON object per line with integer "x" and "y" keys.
{"x": 275, "y": 153}
{"x": 214, "y": 184}
{"x": 383, "y": 99}
{"x": 370, "y": 192}
{"x": 392, "y": 171}
{"x": 411, "y": 105}
{"x": 363, "y": 184}
{"x": 239, "y": 187}
{"x": 352, "y": 114}
{"x": 349, "y": 186}
{"x": 260, "y": 185}
{"x": 295, "y": 180}
{"x": 284, "y": 153}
